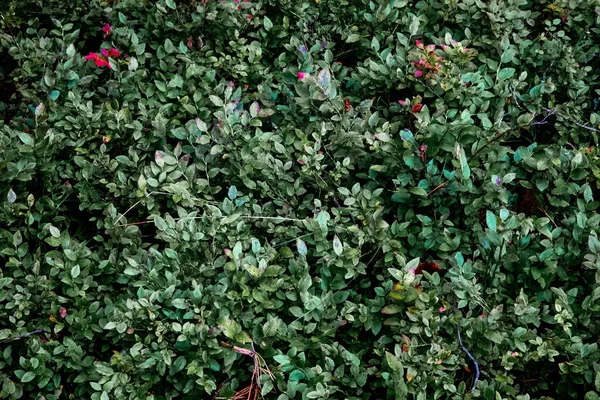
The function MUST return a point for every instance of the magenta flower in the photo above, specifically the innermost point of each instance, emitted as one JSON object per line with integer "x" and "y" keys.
{"x": 442, "y": 309}
{"x": 402, "y": 102}
{"x": 419, "y": 44}
{"x": 91, "y": 56}
{"x": 104, "y": 52}
{"x": 302, "y": 75}
{"x": 106, "y": 30}
{"x": 418, "y": 73}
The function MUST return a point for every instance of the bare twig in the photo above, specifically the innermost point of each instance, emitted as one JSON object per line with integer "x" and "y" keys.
{"x": 441, "y": 185}
{"x": 252, "y": 391}
{"x": 549, "y": 217}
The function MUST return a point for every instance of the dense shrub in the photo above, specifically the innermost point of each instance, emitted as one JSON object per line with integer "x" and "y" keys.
{"x": 339, "y": 186}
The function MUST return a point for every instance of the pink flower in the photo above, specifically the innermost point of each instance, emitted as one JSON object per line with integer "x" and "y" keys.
{"x": 439, "y": 362}
{"x": 514, "y": 354}
{"x": 104, "y": 52}
{"x": 431, "y": 47}
{"x": 237, "y": 1}
{"x": 114, "y": 53}
{"x": 301, "y": 75}
{"x": 442, "y": 309}
{"x": 402, "y": 102}
{"x": 91, "y": 56}
{"x": 419, "y": 44}
{"x": 106, "y": 30}
{"x": 63, "y": 312}
{"x": 412, "y": 271}
{"x": 418, "y": 73}
{"x": 444, "y": 47}
{"x": 231, "y": 84}
{"x": 589, "y": 149}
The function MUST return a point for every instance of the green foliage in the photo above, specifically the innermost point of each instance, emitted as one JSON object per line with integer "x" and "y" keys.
{"x": 270, "y": 174}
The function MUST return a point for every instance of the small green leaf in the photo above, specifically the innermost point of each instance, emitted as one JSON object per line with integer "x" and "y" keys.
{"x": 490, "y": 219}
{"x": 463, "y": 162}
{"x": 53, "y": 95}
{"x": 355, "y": 37}
{"x": 232, "y": 193}
{"x": 216, "y": 100}
{"x": 171, "y": 4}
{"x": 506, "y": 73}
{"x": 267, "y": 23}
{"x": 28, "y": 377}
{"x": 26, "y": 138}
{"x": 75, "y": 271}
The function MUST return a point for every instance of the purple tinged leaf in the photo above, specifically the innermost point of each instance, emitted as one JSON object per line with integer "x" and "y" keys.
{"x": 391, "y": 309}
{"x": 337, "y": 245}
{"x": 11, "y": 197}
{"x": 324, "y": 77}
{"x": 302, "y": 250}
{"x": 159, "y": 159}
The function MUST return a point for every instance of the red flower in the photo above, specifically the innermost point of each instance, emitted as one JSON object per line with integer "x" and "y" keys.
{"x": 106, "y": 30}
{"x": 405, "y": 348}
{"x": 417, "y": 107}
{"x": 249, "y": 16}
{"x": 114, "y": 53}
{"x": 102, "y": 63}
{"x": 347, "y": 105}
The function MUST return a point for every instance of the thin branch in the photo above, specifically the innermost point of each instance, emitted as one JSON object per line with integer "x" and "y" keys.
{"x": 470, "y": 356}
{"x": 280, "y": 218}
{"x": 573, "y": 122}
{"x": 494, "y": 139}
{"x": 27, "y": 334}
